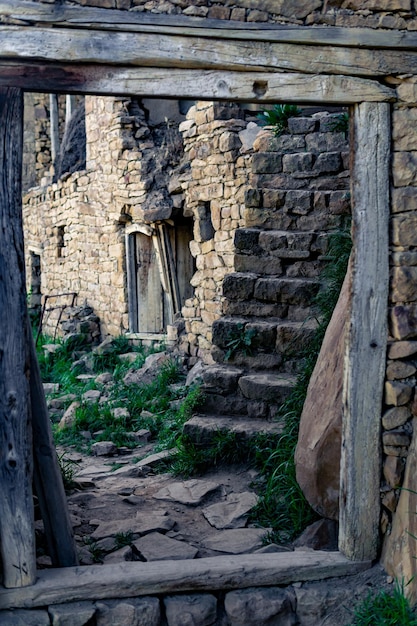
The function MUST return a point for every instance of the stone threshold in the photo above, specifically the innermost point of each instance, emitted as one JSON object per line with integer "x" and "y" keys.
{"x": 134, "y": 579}
{"x": 149, "y": 336}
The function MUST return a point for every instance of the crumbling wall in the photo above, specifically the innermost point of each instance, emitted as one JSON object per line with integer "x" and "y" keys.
{"x": 215, "y": 197}
{"x": 77, "y": 225}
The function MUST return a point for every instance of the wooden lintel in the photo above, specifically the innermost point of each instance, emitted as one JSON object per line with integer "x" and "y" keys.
{"x": 193, "y": 84}
{"x": 124, "y": 580}
{"x": 30, "y": 13}
{"x": 364, "y": 370}
{"x": 130, "y": 49}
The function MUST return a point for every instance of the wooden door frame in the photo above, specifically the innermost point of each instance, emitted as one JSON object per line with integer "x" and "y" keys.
{"x": 220, "y": 62}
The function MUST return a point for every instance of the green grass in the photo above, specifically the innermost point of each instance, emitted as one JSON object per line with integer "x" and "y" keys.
{"x": 278, "y": 117}
{"x": 385, "y": 609}
{"x": 149, "y": 406}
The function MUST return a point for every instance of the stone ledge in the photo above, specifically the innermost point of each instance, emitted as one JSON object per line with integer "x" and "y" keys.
{"x": 124, "y": 580}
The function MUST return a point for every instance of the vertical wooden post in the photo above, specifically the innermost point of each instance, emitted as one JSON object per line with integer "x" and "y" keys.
{"x": 360, "y": 471}
{"x": 17, "y": 536}
{"x": 47, "y": 476}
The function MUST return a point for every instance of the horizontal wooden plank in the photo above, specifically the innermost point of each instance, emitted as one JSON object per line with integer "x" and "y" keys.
{"x": 130, "y": 579}
{"x": 193, "y": 84}
{"x": 87, "y": 17}
{"x": 66, "y": 45}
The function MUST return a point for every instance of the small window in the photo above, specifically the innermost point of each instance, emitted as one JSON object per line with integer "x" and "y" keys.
{"x": 60, "y": 241}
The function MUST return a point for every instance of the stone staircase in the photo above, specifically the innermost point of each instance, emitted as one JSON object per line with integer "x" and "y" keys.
{"x": 299, "y": 192}
{"x": 256, "y": 345}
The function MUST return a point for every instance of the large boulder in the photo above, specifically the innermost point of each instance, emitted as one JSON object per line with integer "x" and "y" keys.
{"x": 317, "y": 456}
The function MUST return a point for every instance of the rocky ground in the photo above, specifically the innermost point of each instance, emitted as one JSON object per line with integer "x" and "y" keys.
{"x": 157, "y": 516}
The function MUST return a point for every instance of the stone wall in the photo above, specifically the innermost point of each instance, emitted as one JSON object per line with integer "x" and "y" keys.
{"x": 136, "y": 175}
{"x": 387, "y": 14}
{"x": 315, "y": 603}
{"x": 77, "y": 225}
{"x": 398, "y": 420}
{"x": 215, "y": 197}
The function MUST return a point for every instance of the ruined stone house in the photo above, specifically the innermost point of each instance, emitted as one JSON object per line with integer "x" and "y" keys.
{"x": 144, "y": 231}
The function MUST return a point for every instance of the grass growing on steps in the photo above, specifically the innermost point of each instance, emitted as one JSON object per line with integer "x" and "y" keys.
{"x": 282, "y": 505}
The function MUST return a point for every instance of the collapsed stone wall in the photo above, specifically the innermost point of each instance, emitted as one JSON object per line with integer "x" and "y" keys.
{"x": 77, "y": 223}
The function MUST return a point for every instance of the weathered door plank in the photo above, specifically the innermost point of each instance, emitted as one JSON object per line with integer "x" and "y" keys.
{"x": 367, "y": 335}
{"x": 17, "y": 536}
{"x": 70, "y": 45}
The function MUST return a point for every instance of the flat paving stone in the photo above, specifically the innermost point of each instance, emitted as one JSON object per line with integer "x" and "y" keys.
{"x": 189, "y": 492}
{"x": 236, "y": 541}
{"x": 157, "y": 547}
{"x": 139, "y": 525}
{"x": 232, "y": 513}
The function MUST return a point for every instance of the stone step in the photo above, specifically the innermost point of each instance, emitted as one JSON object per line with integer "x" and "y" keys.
{"x": 257, "y": 396}
{"x": 223, "y": 379}
{"x": 289, "y": 291}
{"x": 267, "y": 387}
{"x": 245, "y": 336}
{"x": 202, "y": 429}
{"x": 283, "y": 244}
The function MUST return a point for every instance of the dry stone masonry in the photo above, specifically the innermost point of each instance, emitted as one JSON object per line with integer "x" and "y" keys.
{"x": 261, "y": 207}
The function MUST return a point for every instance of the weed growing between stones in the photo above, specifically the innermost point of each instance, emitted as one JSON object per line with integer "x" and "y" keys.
{"x": 240, "y": 341}
{"x": 68, "y": 468}
{"x": 226, "y": 448}
{"x": 385, "y": 609}
{"x": 97, "y": 553}
{"x": 162, "y": 406}
{"x": 123, "y": 539}
{"x": 278, "y": 117}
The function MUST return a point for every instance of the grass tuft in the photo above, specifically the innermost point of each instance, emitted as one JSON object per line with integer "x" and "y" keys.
{"x": 385, "y": 609}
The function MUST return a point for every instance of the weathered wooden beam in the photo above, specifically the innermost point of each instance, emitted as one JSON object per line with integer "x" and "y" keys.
{"x": 193, "y": 84}
{"x": 17, "y": 536}
{"x": 47, "y": 476}
{"x": 124, "y": 580}
{"x": 71, "y": 45}
{"x": 31, "y": 13}
{"x": 367, "y": 335}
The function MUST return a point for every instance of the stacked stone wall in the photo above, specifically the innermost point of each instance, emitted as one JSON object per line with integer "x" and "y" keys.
{"x": 77, "y": 225}
{"x": 400, "y": 386}
{"x": 385, "y": 14}
{"x": 298, "y": 193}
{"x": 215, "y": 197}
{"x": 303, "y": 604}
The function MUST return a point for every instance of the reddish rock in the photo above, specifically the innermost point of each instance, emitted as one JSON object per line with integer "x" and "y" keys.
{"x": 317, "y": 455}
